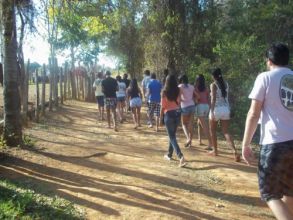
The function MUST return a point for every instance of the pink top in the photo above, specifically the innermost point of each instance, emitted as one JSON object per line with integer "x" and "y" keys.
{"x": 186, "y": 95}
{"x": 204, "y": 97}
{"x": 168, "y": 105}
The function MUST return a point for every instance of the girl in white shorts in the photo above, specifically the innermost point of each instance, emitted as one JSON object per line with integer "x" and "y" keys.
{"x": 220, "y": 111}
{"x": 134, "y": 97}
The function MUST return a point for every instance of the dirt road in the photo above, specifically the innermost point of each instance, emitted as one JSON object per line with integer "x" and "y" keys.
{"x": 122, "y": 175}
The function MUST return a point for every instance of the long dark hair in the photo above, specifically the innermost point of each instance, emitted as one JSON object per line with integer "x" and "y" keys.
{"x": 133, "y": 87}
{"x": 183, "y": 79}
{"x": 118, "y": 78}
{"x": 200, "y": 83}
{"x": 171, "y": 90}
{"x": 217, "y": 74}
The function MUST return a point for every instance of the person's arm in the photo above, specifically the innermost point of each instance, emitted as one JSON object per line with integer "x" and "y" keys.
{"x": 140, "y": 94}
{"x": 250, "y": 127}
{"x": 147, "y": 91}
{"x": 162, "y": 110}
{"x": 196, "y": 96}
{"x": 213, "y": 98}
{"x": 117, "y": 87}
{"x": 127, "y": 95}
{"x": 103, "y": 87}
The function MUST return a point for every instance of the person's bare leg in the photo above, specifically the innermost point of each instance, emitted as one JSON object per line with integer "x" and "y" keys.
{"x": 114, "y": 118}
{"x": 138, "y": 116}
{"x": 288, "y": 200}
{"x": 122, "y": 111}
{"x": 199, "y": 133}
{"x": 134, "y": 116}
{"x": 157, "y": 123}
{"x": 205, "y": 129}
{"x": 280, "y": 209}
{"x": 185, "y": 122}
{"x": 119, "y": 111}
{"x": 190, "y": 128}
{"x": 108, "y": 117}
{"x": 102, "y": 110}
{"x": 228, "y": 137}
{"x": 213, "y": 128}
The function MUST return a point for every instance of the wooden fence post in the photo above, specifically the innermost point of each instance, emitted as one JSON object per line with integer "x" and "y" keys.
{"x": 37, "y": 96}
{"x": 51, "y": 85}
{"x": 43, "y": 100}
{"x": 60, "y": 84}
{"x": 55, "y": 67}
{"x": 65, "y": 82}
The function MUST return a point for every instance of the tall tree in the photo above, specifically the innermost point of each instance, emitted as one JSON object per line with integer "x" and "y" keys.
{"x": 12, "y": 122}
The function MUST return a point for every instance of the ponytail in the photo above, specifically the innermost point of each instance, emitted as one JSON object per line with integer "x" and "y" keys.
{"x": 217, "y": 74}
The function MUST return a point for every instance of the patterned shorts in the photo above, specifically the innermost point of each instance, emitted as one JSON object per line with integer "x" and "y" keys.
{"x": 110, "y": 103}
{"x": 154, "y": 108}
{"x": 275, "y": 170}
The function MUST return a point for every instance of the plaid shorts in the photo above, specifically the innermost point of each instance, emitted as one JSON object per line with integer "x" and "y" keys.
{"x": 154, "y": 108}
{"x": 275, "y": 170}
{"x": 110, "y": 103}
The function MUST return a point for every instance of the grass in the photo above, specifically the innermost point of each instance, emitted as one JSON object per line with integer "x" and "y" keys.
{"x": 17, "y": 202}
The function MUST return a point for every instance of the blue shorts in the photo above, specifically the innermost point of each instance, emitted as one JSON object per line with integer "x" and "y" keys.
{"x": 188, "y": 110}
{"x": 121, "y": 99}
{"x": 100, "y": 100}
{"x": 275, "y": 176}
{"x": 202, "y": 110}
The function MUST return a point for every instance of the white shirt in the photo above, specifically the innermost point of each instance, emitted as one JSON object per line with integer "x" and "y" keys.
{"x": 277, "y": 111}
{"x": 122, "y": 89}
{"x": 98, "y": 85}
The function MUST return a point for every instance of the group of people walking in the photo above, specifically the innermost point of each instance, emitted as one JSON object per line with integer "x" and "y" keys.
{"x": 169, "y": 102}
{"x": 175, "y": 99}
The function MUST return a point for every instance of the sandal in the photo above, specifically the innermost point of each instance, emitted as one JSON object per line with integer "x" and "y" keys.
{"x": 237, "y": 158}
{"x": 188, "y": 144}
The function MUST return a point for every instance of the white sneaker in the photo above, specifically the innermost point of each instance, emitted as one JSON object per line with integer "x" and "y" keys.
{"x": 166, "y": 157}
{"x": 182, "y": 162}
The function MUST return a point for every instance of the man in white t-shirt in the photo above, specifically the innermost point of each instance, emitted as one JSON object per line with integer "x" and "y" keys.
{"x": 144, "y": 84}
{"x": 99, "y": 94}
{"x": 272, "y": 105}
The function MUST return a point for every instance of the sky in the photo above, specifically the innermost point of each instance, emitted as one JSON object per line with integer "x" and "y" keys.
{"x": 37, "y": 50}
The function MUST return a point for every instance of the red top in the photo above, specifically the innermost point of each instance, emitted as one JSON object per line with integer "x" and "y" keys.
{"x": 168, "y": 105}
{"x": 204, "y": 97}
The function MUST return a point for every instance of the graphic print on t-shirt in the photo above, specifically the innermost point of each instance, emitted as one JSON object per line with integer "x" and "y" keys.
{"x": 286, "y": 91}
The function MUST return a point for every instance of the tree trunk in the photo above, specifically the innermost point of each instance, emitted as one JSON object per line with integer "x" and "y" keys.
{"x": 25, "y": 92}
{"x": 12, "y": 132}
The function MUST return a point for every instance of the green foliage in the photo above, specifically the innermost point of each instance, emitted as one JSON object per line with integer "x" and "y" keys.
{"x": 16, "y": 202}
{"x": 2, "y": 142}
{"x": 28, "y": 141}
